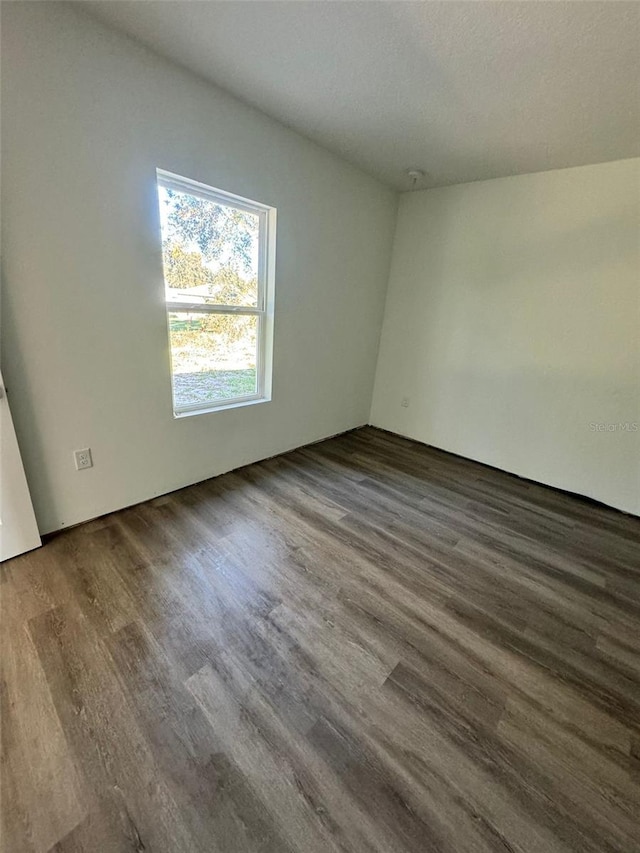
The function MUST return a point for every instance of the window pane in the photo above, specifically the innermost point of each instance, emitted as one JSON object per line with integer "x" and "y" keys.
{"x": 213, "y": 357}
{"x": 209, "y": 250}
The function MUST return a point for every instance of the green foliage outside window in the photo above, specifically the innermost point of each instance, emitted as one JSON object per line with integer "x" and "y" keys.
{"x": 222, "y": 262}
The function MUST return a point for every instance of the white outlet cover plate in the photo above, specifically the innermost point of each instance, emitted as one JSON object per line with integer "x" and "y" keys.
{"x": 83, "y": 459}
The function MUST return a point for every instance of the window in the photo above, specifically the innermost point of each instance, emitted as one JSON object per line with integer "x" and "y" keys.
{"x": 218, "y": 258}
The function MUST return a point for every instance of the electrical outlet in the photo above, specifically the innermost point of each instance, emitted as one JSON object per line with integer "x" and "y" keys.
{"x": 83, "y": 458}
{"x": 404, "y": 402}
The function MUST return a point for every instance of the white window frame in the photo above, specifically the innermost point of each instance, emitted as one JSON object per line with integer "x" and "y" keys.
{"x": 265, "y": 297}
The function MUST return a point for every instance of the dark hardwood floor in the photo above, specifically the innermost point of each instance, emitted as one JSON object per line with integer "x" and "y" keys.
{"x": 363, "y": 645}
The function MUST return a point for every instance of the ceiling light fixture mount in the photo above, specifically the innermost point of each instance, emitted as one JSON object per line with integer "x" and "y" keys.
{"x": 415, "y": 175}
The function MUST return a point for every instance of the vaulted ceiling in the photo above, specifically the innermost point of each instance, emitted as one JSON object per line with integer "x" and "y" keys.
{"x": 462, "y": 90}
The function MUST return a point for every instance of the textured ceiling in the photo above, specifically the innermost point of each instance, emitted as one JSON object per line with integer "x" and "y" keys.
{"x": 463, "y": 90}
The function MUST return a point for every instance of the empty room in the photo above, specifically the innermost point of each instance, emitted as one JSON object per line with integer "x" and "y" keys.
{"x": 320, "y": 426}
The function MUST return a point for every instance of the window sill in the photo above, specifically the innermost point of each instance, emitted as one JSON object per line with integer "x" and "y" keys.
{"x": 223, "y": 407}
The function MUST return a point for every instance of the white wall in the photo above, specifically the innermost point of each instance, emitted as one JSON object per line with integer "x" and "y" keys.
{"x": 87, "y": 115}
{"x": 513, "y": 323}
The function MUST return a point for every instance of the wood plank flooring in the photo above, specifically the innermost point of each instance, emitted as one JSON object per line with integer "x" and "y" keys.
{"x": 362, "y": 645}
